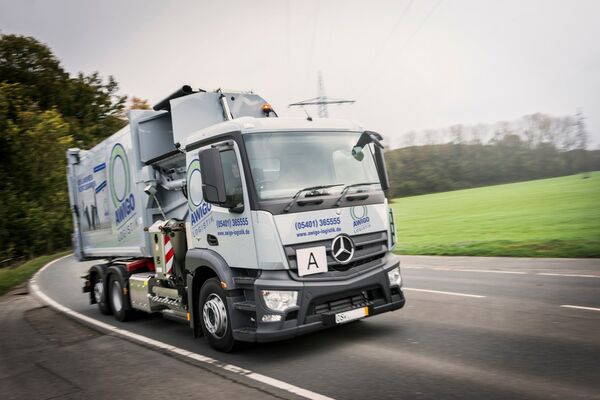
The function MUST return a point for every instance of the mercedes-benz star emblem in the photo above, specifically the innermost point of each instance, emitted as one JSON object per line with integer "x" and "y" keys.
{"x": 342, "y": 249}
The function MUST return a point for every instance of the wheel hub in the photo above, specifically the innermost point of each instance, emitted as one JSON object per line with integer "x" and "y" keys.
{"x": 214, "y": 314}
{"x": 99, "y": 291}
{"x": 116, "y": 296}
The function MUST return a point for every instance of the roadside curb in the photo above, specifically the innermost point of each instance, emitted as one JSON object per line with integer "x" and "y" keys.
{"x": 229, "y": 371}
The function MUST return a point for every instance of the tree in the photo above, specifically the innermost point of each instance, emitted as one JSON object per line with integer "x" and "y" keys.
{"x": 87, "y": 102}
{"x": 581, "y": 135}
{"x": 581, "y": 142}
{"x": 457, "y": 135}
{"x": 532, "y": 147}
{"x": 410, "y": 138}
{"x": 30, "y": 63}
{"x": 93, "y": 108}
{"x": 44, "y": 111}
{"x": 33, "y": 191}
{"x": 137, "y": 103}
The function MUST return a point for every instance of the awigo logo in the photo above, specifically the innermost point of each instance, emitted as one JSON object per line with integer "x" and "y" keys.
{"x": 198, "y": 207}
{"x": 120, "y": 183}
{"x": 360, "y": 216}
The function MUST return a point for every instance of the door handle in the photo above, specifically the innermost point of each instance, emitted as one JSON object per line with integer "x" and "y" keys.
{"x": 212, "y": 240}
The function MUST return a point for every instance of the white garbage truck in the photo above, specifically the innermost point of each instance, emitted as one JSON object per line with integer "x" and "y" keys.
{"x": 248, "y": 227}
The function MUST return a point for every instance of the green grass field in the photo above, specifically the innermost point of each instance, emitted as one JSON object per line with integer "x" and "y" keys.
{"x": 12, "y": 277}
{"x": 558, "y": 217}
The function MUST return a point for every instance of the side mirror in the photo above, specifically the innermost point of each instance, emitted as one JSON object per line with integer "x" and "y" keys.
{"x": 213, "y": 180}
{"x": 357, "y": 152}
{"x": 381, "y": 169}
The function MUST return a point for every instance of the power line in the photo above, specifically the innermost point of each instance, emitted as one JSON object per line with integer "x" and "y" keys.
{"x": 289, "y": 45}
{"x": 417, "y": 30}
{"x": 310, "y": 59}
{"x": 387, "y": 39}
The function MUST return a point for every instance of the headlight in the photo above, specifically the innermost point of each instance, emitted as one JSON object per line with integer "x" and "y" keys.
{"x": 279, "y": 300}
{"x": 395, "y": 277}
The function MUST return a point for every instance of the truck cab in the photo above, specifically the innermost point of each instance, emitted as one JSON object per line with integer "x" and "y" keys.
{"x": 250, "y": 227}
{"x": 301, "y": 224}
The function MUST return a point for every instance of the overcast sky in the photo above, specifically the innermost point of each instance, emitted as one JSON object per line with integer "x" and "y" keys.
{"x": 410, "y": 65}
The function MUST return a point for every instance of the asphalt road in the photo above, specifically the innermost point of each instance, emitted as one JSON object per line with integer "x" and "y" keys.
{"x": 472, "y": 328}
{"x": 45, "y": 355}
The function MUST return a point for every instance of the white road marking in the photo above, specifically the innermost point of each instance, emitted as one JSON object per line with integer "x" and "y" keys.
{"x": 493, "y": 271}
{"x": 442, "y": 292}
{"x": 472, "y": 270}
{"x": 572, "y": 275}
{"x": 35, "y": 289}
{"x": 581, "y": 307}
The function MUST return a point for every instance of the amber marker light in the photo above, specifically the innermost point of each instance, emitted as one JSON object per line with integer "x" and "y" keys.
{"x": 267, "y": 108}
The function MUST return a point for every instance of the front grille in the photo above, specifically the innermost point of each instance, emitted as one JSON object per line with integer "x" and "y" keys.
{"x": 369, "y": 248}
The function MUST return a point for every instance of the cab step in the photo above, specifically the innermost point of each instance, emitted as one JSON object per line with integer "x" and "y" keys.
{"x": 245, "y": 331}
{"x": 248, "y": 307}
{"x": 244, "y": 282}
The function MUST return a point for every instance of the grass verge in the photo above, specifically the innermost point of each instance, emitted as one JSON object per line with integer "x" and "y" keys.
{"x": 558, "y": 217}
{"x": 12, "y": 277}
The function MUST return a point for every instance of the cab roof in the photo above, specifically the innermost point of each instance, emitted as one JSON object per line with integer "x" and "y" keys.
{"x": 247, "y": 125}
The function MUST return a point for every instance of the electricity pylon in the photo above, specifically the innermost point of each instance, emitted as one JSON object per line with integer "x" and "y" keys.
{"x": 322, "y": 100}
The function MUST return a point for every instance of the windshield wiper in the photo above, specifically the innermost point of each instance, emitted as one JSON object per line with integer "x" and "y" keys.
{"x": 339, "y": 200}
{"x": 312, "y": 188}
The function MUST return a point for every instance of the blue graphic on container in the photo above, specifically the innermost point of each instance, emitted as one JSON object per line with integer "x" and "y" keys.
{"x": 85, "y": 183}
{"x": 99, "y": 167}
{"x": 100, "y": 187}
{"x": 119, "y": 177}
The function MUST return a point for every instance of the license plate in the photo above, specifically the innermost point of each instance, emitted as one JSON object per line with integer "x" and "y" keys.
{"x": 351, "y": 315}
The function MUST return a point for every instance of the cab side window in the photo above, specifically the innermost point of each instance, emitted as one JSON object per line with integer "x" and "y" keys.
{"x": 233, "y": 179}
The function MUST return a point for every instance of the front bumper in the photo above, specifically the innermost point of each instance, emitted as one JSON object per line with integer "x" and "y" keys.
{"x": 320, "y": 300}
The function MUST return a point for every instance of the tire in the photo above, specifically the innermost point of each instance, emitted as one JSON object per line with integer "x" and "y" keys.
{"x": 99, "y": 293}
{"x": 214, "y": 317}
{"x": 119, "y": 302}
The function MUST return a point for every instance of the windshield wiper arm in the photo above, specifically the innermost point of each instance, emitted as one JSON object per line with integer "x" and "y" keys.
{"x": 339, "y": 200}
{"x": 299, "y": 192}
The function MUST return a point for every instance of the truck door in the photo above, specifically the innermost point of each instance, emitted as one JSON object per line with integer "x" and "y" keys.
{"x": 217, "y": 228}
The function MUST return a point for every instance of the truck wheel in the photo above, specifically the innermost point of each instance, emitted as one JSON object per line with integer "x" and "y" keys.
{"x": 117, "y": 300}
{"x": 214, "y": 316}
{"x": 100, "y": 295}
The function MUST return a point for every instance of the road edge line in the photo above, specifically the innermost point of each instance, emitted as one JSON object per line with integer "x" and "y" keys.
{"x": 477, "y": 296}
{"x": 491, "y": 271}
{"x": 266, "y": 380}
{"x": 580, "y": 307}
{"x": 568, "y": 275}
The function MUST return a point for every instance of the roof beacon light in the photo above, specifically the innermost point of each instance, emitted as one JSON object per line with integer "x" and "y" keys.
{"x": 267, "y": 109}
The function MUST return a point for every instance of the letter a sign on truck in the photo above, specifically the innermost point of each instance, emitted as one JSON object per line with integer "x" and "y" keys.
{"x": 312, "y": 260}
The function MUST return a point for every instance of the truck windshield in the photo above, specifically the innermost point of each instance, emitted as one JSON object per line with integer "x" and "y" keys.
{"x": 283, "y": 163}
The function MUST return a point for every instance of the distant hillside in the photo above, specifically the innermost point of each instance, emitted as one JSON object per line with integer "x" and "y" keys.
{"x": 442, "y": 167}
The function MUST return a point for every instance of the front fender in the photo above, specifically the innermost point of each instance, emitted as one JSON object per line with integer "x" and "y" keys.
{"x": 196, "y": 258}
